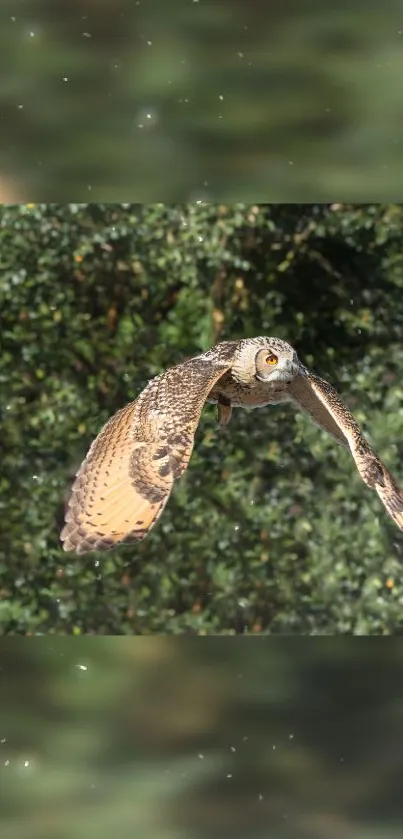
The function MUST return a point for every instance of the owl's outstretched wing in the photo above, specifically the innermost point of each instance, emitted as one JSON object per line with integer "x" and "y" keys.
{"x": 322, "y": 402}
{"x": 126, "y": 478}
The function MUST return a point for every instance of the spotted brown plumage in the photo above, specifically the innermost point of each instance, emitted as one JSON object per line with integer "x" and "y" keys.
{"x": 125, "y": 481}
{"x": 316, "y": 396}
{"x": 127, "y": 476}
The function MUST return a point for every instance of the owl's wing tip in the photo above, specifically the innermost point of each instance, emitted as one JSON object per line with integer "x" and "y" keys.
{"x": 392, "y": 497}
{"x": 79, "y": 543}
{"x": 72, "y": 541}
{"x": 399, "y": 517}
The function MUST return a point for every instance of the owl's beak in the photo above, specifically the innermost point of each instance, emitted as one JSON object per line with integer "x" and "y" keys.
{"x": 289, "y": 369}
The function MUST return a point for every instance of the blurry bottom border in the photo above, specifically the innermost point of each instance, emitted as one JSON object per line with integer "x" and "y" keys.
{"x": 201, "y": 737}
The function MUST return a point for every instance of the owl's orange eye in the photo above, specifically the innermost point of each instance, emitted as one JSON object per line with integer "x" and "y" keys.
{"x": 271, "y": 359}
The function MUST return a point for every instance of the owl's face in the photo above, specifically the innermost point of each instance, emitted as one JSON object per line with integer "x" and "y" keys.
{"x": 265, "y": 360}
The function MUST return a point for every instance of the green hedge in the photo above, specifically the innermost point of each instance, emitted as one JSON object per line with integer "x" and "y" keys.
{"x": 271, "y": 529}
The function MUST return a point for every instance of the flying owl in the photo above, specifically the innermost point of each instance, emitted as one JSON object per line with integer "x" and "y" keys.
{"x": 127, "y": 476}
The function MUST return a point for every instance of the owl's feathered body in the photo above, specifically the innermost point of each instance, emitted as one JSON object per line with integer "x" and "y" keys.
{"x": 125, "y": 481}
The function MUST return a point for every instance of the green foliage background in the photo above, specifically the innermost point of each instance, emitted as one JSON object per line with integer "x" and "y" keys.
{"x": 271, "y": 529}
{"x": 201, "y": 738}
{"x": 122, "y": 99}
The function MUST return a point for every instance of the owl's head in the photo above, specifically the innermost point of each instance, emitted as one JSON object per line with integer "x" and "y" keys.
{"x": 265, "y": 360}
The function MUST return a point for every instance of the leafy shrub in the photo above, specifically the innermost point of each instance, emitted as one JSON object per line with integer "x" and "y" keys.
{"x": 270, "y": 529}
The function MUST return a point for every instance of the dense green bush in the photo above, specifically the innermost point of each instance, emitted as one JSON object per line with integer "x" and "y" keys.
{"x": 271, "y": 528}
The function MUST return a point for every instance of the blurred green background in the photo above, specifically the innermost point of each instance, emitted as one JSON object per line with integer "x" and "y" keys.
{"x": 201, "y": 738}
{"x": 225, "y": 99}
{"x": 271, "y": 528}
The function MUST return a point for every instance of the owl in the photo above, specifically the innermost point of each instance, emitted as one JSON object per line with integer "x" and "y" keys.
{"x": 127, "y": 476}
